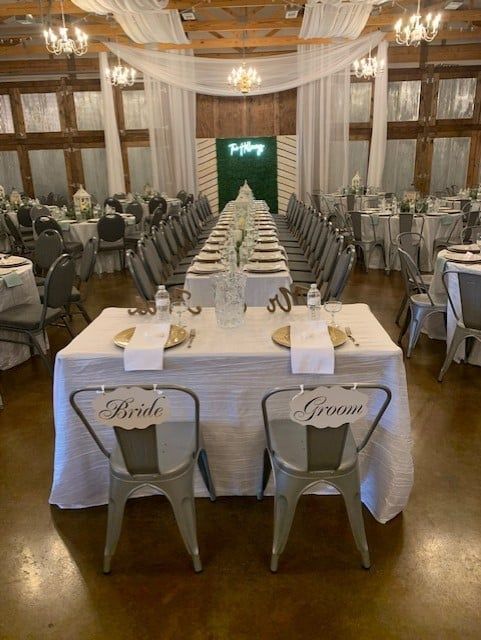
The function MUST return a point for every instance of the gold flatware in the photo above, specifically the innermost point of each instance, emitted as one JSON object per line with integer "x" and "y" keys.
{"x": 350, "y": 336}
{"x": 282, "y": 336}
{"x": 177, "y": 335}
{"x": 191, "y": 338}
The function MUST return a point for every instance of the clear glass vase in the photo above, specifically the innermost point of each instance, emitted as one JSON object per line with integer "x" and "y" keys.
{"x": 229, "y": 299}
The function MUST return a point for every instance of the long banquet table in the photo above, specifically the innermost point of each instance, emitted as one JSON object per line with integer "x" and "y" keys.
{"x": 230, "y": 370}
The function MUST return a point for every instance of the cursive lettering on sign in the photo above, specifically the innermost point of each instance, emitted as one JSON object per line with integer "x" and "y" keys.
{"x": 131, "y": 408}
{"x": 328, "y": 407}
{"x": 246, "y": 147}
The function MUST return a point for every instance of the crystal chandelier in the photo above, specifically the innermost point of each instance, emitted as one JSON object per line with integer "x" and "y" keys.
{"x": 62, "y": 43}
{"x": 417, "y": 31}
{"x": 368, "y": 67}
{"x": 121, "y": 76}
{"x": 243, "y": 79}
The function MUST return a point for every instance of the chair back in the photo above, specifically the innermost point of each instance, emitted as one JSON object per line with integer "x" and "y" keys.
{"x": 48, "y": 247}
{"x": 472, "y": 218}
{"x": 89, "y": 257}
{"x": 160, "y": 448}
{"x": 151, "y": 261}
{"x": 356, "y": 223}
{"x": 470, "y": 234}
{"x": 405, "y": 222}
{"x": 413, "y": 281}
{"x": 114, "y": 203}
{"x": 135, "y": 209}
{"x": 12, "y": 230}
{"x": 157, "y": 201}
{"x": 23, "y": 216}
{"x": 341, "y": 273}
{"x": 111, "y": 227}
{"x": 182, "y": 196}
{"x": 59, "y": 282}
{"x": 158, "y": 216}
{"x": 42, "y": 223}
{"x": 322, "y": 448}
{"x": 140, "y": 276}
{"x": 332, "y": 256}
{"x": 38, "y": 210}
{"x": 161, "y": 244}
{"x": 470, "y": 294}
{"x": 411, "y": 243}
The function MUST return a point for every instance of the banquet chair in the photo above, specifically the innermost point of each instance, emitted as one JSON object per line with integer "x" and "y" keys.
{"x": 31, "y": 320}
{"x": 25, "y": 224}
{"x": 17, "y": 243}
{"x": 340, "y": 275}
{"x": 38, "y": 210}
{"x": 472, "y": 219}
{"x": 182, "y": 196}
{"x": 134, "y": 234}
{"x": 161, "y": 456}
{"x": 405, "y": 223}
{"x": 303, "y": 456}
{"x": 111, "y": 232}
{"x": 43, "y": 223}
{"x": 142, "y": 281}
{"x": 468, "y": 315}
{"x": 48, "y": 247}
{"x": 469, "y": 235}
{"x": 324, "y": 270}
{"x": 414, "y": 245}
{"x": 421, "y": 303}
{"x": 448, "y": 225}
{"x": 135, "y": 209}
{"x": 151, "y": 261}
{"x": 114, "y": 203}
{"x": 365, "y": 245}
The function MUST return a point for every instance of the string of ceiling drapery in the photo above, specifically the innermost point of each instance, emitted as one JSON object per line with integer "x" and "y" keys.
{"x": 328, "y": 19}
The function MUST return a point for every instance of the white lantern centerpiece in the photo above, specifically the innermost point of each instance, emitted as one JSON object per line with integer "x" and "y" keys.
{"x": 82, "y": 203}
{"x": 356, "y": 182}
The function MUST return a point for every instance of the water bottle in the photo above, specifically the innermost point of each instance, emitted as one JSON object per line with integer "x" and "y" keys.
{"x": 314, "y": 303}
{"x": 162, "y": 304}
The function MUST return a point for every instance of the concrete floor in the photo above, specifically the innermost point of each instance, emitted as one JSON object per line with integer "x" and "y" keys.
{"x": 425, "y": 580}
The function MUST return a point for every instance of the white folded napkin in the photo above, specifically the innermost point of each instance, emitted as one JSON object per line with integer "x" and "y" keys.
{"x": 145, "y": 351}
{"x": 311, "y": 347}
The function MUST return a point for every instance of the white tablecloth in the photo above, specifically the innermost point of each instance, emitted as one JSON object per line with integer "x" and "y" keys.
{"x": 435, "y": 326}
{"x": 431, "y": 230}
{"x": 230, "y": 370}
{"x": 25, "y": 293}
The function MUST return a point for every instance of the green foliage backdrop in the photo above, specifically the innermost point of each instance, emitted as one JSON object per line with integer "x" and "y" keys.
{"x": 259, "y": 171}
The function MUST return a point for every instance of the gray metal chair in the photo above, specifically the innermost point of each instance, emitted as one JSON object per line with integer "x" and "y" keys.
{"x": 151, "y": 261}
{"x": 469, "y": 234}
{"x": 449, "y": 224}
{"x": 114, "y": 203}
{"x": 111, "y": 231}
{"x": 25, "y": 222}
{"x": 340, "y": 276}
{"x": 365, "y": 245}
{"x": 468, "y": 315}
{"x": 31, "y": 320}
{"x": 161, "y": 456}
{"x": 17, "y": 242}
{"x": 405, "y": 225}
{"x": 87, "y": 267}
{"x": 304, "y": 456}
{"x": 421, "y": 303}
{"x": 38, "y": 210}
{"x": 141, "y": 278}
{"x": 43, "y": 223}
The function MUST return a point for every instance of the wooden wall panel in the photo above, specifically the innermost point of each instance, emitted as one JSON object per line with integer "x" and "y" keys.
{"x": 287, "y": 101}
{"x": 205, "y": 116}
{"x": 260, "y": 115}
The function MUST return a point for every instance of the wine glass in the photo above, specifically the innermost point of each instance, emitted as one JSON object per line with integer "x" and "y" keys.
{"x": 333, "y": 307}
{"x": 178, "y": 309}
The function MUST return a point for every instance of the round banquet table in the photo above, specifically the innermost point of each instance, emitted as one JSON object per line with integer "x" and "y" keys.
{"x": 25, "y": 293}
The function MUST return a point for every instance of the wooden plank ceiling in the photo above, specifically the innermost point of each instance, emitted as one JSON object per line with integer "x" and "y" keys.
{"x": 225, "y": 28}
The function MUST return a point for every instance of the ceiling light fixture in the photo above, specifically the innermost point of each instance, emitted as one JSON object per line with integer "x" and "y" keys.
{"x": 61, "y": 43}
{"x": 368, "y": 67}
{"x": 417, "y": 31}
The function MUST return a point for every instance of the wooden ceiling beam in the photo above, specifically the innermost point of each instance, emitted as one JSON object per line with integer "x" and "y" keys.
{"x": 387, "y": 19}
{"x": 237, "y": 25}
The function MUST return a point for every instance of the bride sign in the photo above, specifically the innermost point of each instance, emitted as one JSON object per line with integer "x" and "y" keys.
{"x": 131, "y": 407}
{"x": 328, "y": 407}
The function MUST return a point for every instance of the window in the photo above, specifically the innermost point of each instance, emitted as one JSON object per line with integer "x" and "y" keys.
{"x": 89, "y": 110}
{"x": 450, "y": 163}
{"x": 360, "y": 104}
{"x": 403, "y": 100}
{"x": 358, "y": 158}
{"x": 456, "y": 98}
{"x": 399, "y": 166}
{"x": 6, "y": 120}
{"x": 94, "y": 164}
{"x": 48, "y": 172}
{"x": 135, "y": 114}
{"x": 140, "y": 167}
{"x": 40, "y": 111}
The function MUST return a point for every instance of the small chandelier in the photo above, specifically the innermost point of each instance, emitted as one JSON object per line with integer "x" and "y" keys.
{"x": 121, "y": 76}
{"x": 62, "y": 43}
{"x": 368, "y": 67}
{"x": 417, "y": 31}
{"x": 244, "y": 79}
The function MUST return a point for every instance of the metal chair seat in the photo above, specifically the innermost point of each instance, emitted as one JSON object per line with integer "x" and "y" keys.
{"x": 27, "y": 316}
{"x": 422, "y": 300}
{"x": 105, "y": 245}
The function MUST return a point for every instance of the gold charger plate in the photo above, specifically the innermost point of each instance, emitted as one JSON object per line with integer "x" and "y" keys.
{"x": 177, "y": 336}
{"x": 282, "y": 336}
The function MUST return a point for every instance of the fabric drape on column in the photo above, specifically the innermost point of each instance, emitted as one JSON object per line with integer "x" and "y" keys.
{"x": 323, "y": 133}
{"x": 324, "y": 19}
{"x": 377, "y": 155}
{"x": 171, "y": 116}
{"x": 113, "y": 151}
{"x": 142, "y": 20}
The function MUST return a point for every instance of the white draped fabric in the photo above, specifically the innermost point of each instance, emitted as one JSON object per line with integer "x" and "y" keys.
{"x": 142, "y": 20}
{"x": 377, "y": 154}
{"x": 334, "y": 19}
{"x": 171, "y": 117}
{"x": 113, "y": 151}
{"x": 279, "y": 73}
{"x": 323, "y": 133}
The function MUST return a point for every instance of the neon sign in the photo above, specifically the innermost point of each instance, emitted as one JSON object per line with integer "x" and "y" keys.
{"x": 246, "y": 147}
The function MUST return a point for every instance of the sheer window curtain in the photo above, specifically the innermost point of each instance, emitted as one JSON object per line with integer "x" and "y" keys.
{"x": 323, "y": 133}
{"x": 377, "y": 154}
{"x": 171, "y": 117}
{"x": 115, "y": 167}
